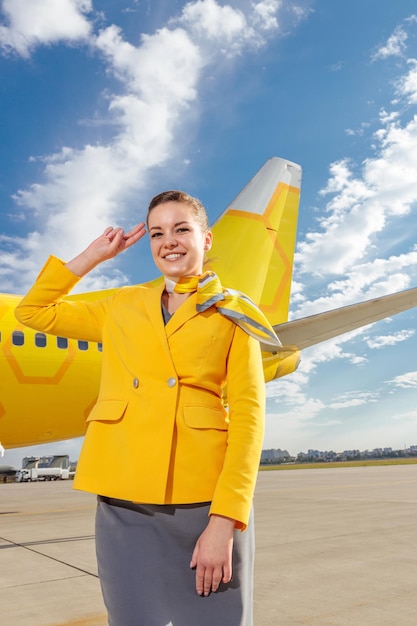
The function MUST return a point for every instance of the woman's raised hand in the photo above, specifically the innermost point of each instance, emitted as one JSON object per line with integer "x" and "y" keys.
{"x": 108, "y": 245}
{"x": 115, "y": 240}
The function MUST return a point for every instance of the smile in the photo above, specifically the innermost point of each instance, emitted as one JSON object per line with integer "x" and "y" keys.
{"x": 173, "y": 256}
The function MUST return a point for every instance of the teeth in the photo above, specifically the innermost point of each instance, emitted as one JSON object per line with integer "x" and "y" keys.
{"x": 173, "y": 256}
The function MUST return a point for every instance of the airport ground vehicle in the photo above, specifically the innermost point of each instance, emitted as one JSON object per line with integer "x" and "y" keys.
{"x": 42, "y": 473}
{"x": 55, "y": 467}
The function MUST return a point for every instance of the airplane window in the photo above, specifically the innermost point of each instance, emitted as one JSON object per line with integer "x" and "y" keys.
{"x": 83, "y": 345}
{"x": 40, "y": 340}
{"x": 62, "y": 342}
{"x": 100, "y": 347}
{"x": 18, "y": 338}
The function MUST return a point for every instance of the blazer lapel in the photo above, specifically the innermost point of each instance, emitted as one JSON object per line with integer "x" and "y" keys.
{"x": 186, "y": 311}
{"x": 153, "y": 309}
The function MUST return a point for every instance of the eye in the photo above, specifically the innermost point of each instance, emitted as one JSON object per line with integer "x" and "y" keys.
{"x": 155, "y": 235}
{"x": 183, "y": 229}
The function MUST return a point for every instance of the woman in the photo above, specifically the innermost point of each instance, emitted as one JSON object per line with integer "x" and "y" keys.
{"x": 174, "y": 469}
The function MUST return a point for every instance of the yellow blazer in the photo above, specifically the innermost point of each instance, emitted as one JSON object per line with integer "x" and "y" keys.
{"x": 159, "y": 432}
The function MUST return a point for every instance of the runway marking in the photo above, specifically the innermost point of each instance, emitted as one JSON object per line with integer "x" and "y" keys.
{"x": 26, "y": 546}
{"x": 43, "y": 542}
{"x": 81, "y": 508}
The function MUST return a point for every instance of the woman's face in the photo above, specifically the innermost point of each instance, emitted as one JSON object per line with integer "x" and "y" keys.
{"x": 178, "y": 242}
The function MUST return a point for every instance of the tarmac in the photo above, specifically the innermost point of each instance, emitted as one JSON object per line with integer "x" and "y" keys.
{"x": 335, "y": 547}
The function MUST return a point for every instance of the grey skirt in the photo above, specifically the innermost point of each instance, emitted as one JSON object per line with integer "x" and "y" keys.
{"x": 143, "y": 555}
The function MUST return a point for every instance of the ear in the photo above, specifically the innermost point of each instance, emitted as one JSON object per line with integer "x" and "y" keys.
{"x": 208, "y": 240}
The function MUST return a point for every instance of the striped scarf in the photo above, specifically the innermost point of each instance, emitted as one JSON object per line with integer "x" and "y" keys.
{"x": 231, "y": 303}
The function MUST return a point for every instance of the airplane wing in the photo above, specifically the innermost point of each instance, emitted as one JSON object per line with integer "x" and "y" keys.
{"x": 308, "y": 331}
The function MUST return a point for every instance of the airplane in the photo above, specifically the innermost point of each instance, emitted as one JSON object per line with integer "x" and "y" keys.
{"x": 48, "y": 385}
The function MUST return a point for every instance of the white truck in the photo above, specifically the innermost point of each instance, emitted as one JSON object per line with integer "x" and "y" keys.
{"x": 55, "y": 467}
{"x": 42, "y": 473}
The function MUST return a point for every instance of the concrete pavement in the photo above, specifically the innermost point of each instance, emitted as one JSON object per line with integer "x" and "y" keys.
{"x": 335, "y": 547}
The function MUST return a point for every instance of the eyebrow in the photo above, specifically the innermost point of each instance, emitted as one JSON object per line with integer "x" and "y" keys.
{"x": 175, "y": 225}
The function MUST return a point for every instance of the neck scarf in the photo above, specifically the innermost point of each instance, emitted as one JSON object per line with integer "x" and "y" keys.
{"x": 233, "y": 304}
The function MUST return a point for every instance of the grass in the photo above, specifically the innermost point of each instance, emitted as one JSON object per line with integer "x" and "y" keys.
{"x": 360, "y": 463}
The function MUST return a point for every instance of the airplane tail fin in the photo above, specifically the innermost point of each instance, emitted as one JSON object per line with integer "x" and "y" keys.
{"x": 254, "y": 239}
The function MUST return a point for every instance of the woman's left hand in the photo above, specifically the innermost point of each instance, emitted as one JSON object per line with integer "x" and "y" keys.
{"x": 212, "y": 556}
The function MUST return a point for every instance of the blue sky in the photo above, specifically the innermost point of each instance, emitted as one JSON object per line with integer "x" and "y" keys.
{"x": 104, "y": 104}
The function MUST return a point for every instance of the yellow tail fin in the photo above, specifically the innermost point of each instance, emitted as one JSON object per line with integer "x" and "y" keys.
{"x": 254, "y": 239}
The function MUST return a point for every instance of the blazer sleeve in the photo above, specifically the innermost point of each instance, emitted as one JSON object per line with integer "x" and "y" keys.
{"x": 246, "y": 399}
{"x": 43, "y": 308}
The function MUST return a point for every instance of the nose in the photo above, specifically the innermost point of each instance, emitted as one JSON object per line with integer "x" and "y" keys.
{"x": 170, "y": 241}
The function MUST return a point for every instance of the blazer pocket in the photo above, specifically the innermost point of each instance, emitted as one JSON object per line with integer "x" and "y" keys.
{"x": 107, "y": 411}
{"x": 200, "y": 416}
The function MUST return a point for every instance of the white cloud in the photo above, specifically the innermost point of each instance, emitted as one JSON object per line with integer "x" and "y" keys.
{"x": 358, "y": 132}
{"x": 290, "y": 393}
{"x": 302, "y": 412}
{"x": 230, "y": 29}
{"x": 213, "y": 22}
{"x": 405, "y": 381}
{"x": 407, "y": 85}
{"x": 363, "y": 200}
{"x": 361, "y": 205}
{"x": 333, "y": 349}
{"x": 34, "y": 22}
{"x": 84, "y": 190}
{"x": 408, "y": 416}
{"x": 387, "y": 117}
{"x": 348, "y": 400}
{"x": 165, "y": 65}
{"x": 288, "y": 389}
{"x": 395, "y": 45}
{"x": 342, "y": 260}
{"x": 389, "y": 340}
{"x": 364, "y": 282}
{"x": 266, "y": 13}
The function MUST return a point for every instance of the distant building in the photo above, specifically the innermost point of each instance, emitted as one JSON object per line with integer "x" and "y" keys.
{"x": 320, "y": 456}
{"x": 56, "y": 460}
{"x": 274, "y": 456}
{"x": 350, "y": 455}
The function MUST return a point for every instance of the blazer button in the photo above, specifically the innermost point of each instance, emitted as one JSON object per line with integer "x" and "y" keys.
{"x": 136, "y": 383}
{"x": 171, "y": 382}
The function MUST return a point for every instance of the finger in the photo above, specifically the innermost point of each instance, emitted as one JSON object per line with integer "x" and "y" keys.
{"x": 193, "y": 562}
{"x": 115, "y": 233}
{"x": 227, "y": 573}
{"x": 208, "y": 581}
{"x": 199, "y": 580}
{"x": 217, "y": 578}
{"x": 135, "y": 230}
{"x": 129, "y": 241}
{"x": 136, "y": 233}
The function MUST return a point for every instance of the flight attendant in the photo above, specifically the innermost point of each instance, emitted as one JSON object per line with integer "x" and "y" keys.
{"x": 173, "y": 443}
